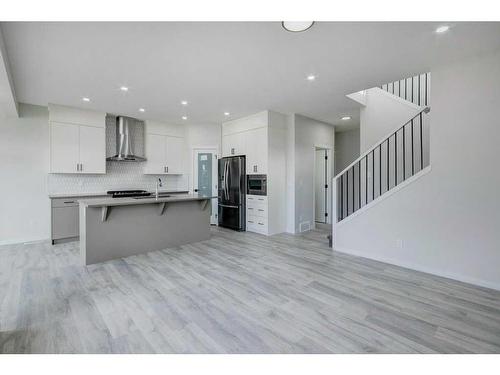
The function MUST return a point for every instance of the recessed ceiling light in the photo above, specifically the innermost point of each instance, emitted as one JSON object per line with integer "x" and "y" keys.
{"x": 311, "y": 77}
{"x": 346, "y": 118}
{"x": 124, "y": 88}
{"x": 442, "y": 29}
{"x": 226, "y": 113}
{"x": 184, "y": 117}
{"x": 184, "y": 102}
{"x": 142, "y": 110}
{"x": 85, "y": 99}
{"x": 297, "y": 26}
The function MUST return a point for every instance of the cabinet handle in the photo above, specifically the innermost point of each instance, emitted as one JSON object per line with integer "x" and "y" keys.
{"x": 232, "y": 151}
{"x": 250, "y": 208}
{"x": 250, "y": 221}
{"x": 260, "y": 209}
{"x": 164, "y": 169}
{"x": 261, "y": 223}
{"x": 255, "y": 168}
{"x": 69, "y": 202}
{"x": 167, "y": 169}
{"x": 81, "y": 167}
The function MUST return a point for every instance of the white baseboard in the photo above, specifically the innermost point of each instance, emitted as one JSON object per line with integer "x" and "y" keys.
{"x": 23, "y": 241}
{"x": 422, "y": 268}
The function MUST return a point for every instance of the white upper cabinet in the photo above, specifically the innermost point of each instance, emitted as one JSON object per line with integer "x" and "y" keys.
{"x": 92, "y": 149}
{"x": 64, "y": 148}
{"x": 77, "y": 140}
{"x": 174, "y": 151}
{"x": 155, "y": 154}
{"x": 165, "y": 148}
{"x": 256, "y": 151}
{"x": 234, "y": 144}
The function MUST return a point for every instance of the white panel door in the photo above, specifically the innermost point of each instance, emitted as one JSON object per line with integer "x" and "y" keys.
{"x": 92, "y": 150}
{"x": 155, "y": 154}
{"x": 174, "y": 147}
{"x": 319, "y": 186}
{"x": 64, "y": 148}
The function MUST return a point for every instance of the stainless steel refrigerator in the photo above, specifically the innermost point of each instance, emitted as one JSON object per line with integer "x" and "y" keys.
{"x": 232, "y": 197}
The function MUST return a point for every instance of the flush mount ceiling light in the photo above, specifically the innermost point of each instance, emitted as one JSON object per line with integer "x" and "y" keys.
{"x": 184, "y": 117}
{"x": 142, "y": 110}
{"x": 311, "y": 77}
{"x": 345, "y": 118}
{"x": 297, "y": 26}
{"x": 226, "y": 113}
{"x": 442, "y": 29}
{"x": 85, "y": 99}
{"x": 124, "y": 88}
{"x": 184, "y": 102}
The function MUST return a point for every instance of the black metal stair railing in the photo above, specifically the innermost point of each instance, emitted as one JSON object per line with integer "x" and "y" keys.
{"x": 399, "y": 156}
{"x": 415, "y": 89}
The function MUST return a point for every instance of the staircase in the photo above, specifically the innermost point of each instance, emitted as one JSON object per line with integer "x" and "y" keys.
{"x": 415, "y": 89}
{"x": 393, "y": 161}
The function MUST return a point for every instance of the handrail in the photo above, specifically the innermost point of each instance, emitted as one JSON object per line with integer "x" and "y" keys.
{"x": 423, "y": 110}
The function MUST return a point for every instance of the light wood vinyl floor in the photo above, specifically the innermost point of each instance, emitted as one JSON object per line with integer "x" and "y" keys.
{"x": 236, "y": 293}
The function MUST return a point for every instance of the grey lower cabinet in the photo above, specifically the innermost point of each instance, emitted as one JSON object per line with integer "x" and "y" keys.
{"x": 65, "y": 218}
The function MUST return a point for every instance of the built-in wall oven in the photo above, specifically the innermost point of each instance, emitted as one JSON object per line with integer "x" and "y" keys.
{"x": 257, "y": 184}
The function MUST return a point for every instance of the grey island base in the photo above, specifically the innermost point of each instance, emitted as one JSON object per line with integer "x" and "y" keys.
{"x": 113, "y": 228}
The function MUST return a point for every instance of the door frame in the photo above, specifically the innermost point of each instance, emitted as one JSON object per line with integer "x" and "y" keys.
{"x": 215, "y": 174}
{"x": 330, "y": 165}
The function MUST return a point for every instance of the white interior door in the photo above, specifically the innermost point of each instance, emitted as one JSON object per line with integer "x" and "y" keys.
{"x": 205, "y": 176}
{"x": 320, "y": 191}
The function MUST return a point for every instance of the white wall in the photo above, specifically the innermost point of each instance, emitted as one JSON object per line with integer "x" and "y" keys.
{"x": 346, "y": 148}
{"x": 449, "y": 219}
{"x": 24, "y": 162}
{"x": 309, "y": 134}
{"x": 382, "y": 114}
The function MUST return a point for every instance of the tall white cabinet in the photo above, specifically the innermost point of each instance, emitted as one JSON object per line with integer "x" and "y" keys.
{"x": 165, "y": 148}
{"x": 261, "y": 138}
{"x": 77, "y": 140}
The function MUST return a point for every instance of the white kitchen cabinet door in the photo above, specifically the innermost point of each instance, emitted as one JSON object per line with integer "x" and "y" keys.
{"x": 174, "y": 155}
{"x": 155, "y": 154}
{"x": 234, "y": 144}
{"x": 261, "y": 150}
{"x": 226, "y": 145}
{"x": 256, "y": 146}
{"x": 92, "y": 149}
{"x": 64, "y": 148}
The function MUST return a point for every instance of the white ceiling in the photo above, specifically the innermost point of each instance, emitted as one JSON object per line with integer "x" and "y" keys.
{"x": 239, "y": 67}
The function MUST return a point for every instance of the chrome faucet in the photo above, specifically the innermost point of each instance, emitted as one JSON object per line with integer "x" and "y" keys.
{"x": 158, "y": 184}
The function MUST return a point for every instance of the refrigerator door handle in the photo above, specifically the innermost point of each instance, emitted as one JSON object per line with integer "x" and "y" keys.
{"x": 226, "y": 168}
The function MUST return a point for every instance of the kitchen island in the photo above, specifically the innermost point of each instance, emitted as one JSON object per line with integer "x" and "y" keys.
{"x": 112, "y": 228}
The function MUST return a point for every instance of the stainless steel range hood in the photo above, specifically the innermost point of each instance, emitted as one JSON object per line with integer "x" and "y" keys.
{"x": 124, "y": 133}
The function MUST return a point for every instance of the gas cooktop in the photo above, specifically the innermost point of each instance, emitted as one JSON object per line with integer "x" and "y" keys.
{"x": 128, "y": 193}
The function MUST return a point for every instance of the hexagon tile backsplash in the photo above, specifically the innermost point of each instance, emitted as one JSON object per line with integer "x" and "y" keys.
{"x": 119, "y": 175}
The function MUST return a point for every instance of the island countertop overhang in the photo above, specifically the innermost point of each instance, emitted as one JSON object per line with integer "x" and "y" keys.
{"x": 113, "y": 202}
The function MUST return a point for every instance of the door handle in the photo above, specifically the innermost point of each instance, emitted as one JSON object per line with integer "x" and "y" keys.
{"x": 228, "y": 206}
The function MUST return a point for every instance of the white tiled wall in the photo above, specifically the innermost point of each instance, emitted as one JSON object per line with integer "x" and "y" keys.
{"x": 119, "y": 175}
